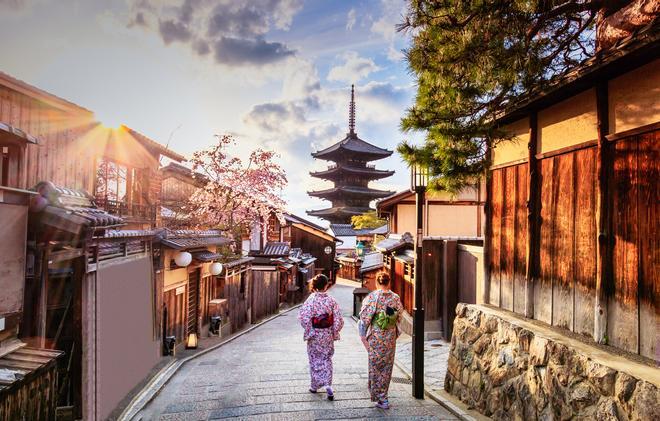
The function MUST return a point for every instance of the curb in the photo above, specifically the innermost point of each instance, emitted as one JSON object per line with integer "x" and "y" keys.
{"x": 151, "y": 390}
{"x": 444, "y": 402}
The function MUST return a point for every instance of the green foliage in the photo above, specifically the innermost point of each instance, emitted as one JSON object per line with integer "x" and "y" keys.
{"x": 471, "y": 60}
{"x": 367, "y": 220}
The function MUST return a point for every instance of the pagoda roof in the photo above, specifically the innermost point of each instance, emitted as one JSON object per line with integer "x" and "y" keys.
{"x": 355, "y": 147}
{"x": 368, "y": 172}
{"x": 355, "y": 190}
{"x": 339, "y": 211}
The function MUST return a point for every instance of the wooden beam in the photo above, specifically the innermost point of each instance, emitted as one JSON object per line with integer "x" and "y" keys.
{"x": 449, "y": 286}
{"x": 488, "y": 206}
{"x": 603, "y": 262}
{"x": 533, "y": 216}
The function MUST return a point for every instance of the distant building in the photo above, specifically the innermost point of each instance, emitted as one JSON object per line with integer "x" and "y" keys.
{"x": 350, "y": 174}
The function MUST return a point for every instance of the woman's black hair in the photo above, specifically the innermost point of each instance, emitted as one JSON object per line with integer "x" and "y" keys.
{"x": 319, "y": 282}
{"x": 383, "y": 278}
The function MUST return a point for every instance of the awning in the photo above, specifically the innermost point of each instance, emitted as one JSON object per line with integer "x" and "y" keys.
{"x": 9, "y": 133}
{"x": 205, "y": 256}
{"x": 25, "y": 362}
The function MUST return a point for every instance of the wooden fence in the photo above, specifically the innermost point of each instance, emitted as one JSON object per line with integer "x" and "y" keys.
{"x": 543, "y": 261}
{"x": 265, "y": 293}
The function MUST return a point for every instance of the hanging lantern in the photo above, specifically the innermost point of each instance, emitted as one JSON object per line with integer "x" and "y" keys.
{"x": 216, "y": 268}
{"x": 182, "y": 259}
{"x": 359, "y": 248}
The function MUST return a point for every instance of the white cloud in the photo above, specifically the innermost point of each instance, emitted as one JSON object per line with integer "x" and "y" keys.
{"x": 385, "y": 26}
{"x": 354, "y": 68}
{"x": 350, "y": 19}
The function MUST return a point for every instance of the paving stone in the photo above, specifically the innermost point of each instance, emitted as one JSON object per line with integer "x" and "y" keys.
{"x": 263, "y": 375}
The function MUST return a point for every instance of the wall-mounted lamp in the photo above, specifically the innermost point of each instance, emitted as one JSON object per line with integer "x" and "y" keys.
{"x": 216, "y": 268}
{"x": 182, "y": 259}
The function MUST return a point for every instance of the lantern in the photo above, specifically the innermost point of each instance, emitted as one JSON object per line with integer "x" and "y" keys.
{"x": 216, "y": 268}
{"x": 192, "y": 341}
{"x": 359, "y": 248}
{"x": 182, "y": 259}
{"x": 419, "y": 177}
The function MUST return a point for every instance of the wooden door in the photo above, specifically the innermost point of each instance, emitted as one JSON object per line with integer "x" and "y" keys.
{"x": 193, "y": 301}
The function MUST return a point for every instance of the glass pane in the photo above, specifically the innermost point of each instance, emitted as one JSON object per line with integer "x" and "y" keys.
{"x": 101, "y": 179}
{"x": 122, "y": 174}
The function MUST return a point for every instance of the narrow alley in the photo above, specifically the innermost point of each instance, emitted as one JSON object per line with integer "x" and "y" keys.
{"x": 264, "y": 375}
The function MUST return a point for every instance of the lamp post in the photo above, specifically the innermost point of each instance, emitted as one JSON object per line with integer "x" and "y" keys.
{"x": 419, "y": 178}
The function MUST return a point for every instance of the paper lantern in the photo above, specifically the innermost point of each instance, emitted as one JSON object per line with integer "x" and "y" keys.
{"x": 182, "y": 258}
{"x": 216, "y": 268}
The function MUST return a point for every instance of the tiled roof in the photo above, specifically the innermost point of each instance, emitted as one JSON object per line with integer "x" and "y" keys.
{"x": 347, "y": 230}
{"x": 395, "y": 242}
{"x": 371, "y": 173}
{"x": 355, "y": 190}
{"x": 205, "y": 256}
{"x": 73, "y": 207}
{"x": 276, "y": 249}
{"x": 371, "y": 261}
{"x": 353, "y": 144}
{"x": 339, "y": 210}
{"x": 239, "y": 261}
{"x": 380, "y": 230}
{"x": 296, "y": 219}
{"x": 150, "y": 143}
{"x": 19, "y": 365}
{"x": 128, "y": 233}
{"x": 407, "y": 256}
{"x": 186, "y": 239}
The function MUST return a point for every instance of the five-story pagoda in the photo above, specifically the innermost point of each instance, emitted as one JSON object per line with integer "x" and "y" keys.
{"x": 351, "y": 174}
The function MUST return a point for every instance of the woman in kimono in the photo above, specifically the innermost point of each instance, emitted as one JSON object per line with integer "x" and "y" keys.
{"x": 321, "y": 319}
{"x": 378, "y": 330}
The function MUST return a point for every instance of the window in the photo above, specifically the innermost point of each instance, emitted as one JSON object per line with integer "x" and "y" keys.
{"x": 111, "y": 181}
{"x": 4, "y": 166}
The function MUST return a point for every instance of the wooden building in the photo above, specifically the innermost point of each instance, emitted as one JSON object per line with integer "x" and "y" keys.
{"x": 178, "y": 184}
{"x": 188, "y": 290}
{"x": 29, "y": 381}
{"x": 350, "y": 174}
{"x": 573, "y": 201}
{"x": 79, "y": 272}
{"x": 445, "y": 215}
{"x": 118, "y": 166}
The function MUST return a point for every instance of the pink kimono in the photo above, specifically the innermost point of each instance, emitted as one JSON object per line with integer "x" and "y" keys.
{"x": 320, "y": 342}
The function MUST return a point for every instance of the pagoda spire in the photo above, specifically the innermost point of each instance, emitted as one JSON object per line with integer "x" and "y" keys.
{"x": 351, "y": 112}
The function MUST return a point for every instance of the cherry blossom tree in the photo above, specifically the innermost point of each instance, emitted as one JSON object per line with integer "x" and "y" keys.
{"x": 236, "y": 194}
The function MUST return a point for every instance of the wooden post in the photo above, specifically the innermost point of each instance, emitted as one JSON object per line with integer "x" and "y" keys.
{"x": 488, "y": 206}
{"x": 449, "y": 286}
{"x": 533, "y": 215}
{"x": 603, "y": 262}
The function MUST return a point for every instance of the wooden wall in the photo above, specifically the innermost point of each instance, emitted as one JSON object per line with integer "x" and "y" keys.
{"x": 265, "y": 293}
{"x": 565, "y": 247}
{"x": 315, "y": 245}
{"x": 237, "y": 291}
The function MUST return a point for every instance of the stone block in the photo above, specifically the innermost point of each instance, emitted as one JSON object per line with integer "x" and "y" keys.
{"x": 524, "y": 339}
{"x": 607, "y": 410}
{"x": 481, "y": 344}
{"x": 624, "y": 386}
{"x": 602, "y": 377}
{"x": 538, "y": 351}
{"x": 644, "y": 402}
{"x": 489, "y": 323}
{"x": 582, "y": 396}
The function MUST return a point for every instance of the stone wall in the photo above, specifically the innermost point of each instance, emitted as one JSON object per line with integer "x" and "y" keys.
{"x": 513, "y": 369}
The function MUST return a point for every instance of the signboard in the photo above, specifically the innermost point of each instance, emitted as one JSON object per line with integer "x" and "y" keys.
{"x": 180, "y": 290}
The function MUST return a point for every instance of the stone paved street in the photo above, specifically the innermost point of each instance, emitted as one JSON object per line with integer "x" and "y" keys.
{"x": 264, "y": 375}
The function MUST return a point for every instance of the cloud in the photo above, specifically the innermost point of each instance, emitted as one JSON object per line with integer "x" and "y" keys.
{"x": 172, "y": 31}
{"x": 350, "y": 19}
{"x": 354, "y": 68}
{"x": 385, "y": 25}
{"x": 234, "y": 31}
{"x": 241, "y": 51}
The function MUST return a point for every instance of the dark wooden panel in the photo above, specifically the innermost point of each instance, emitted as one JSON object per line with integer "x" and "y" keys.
{"x": 543, "y": 288}
{"x": 649, "y": 247}
{"x": 563, "y": 201}
{"x": 622, "y": 309}
{"x": 520, "y": 241}
{"x": 495, "y": 223}
{"x": 507, "y": 241}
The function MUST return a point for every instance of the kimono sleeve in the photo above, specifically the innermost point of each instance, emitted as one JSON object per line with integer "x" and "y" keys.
{"x": 305, "y": 318}
{"x": 338, "y": 320}
{"x": 366, "y": 314}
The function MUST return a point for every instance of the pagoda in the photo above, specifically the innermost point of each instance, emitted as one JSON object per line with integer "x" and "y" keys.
{"x": 351, "y": 174}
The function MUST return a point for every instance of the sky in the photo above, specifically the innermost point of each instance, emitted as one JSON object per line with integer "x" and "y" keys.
{"x": 274, "y": 73}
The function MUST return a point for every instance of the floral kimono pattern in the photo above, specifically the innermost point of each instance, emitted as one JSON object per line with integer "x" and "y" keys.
{"x": 382, "y": 343}
{"x": 320, "y": 342}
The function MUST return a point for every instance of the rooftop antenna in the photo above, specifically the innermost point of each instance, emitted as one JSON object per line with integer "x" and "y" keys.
{"x": 351, "y": 112}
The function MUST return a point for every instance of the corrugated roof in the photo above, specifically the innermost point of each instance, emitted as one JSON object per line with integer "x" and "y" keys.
{"x": 23, "y": 361}
{"x": 276, "y": 249}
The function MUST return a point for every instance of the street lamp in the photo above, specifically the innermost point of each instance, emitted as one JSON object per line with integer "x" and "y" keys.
{"x": 419, "y": 180}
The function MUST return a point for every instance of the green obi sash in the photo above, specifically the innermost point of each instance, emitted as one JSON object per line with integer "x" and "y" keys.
{"x": 386, "y": 319}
